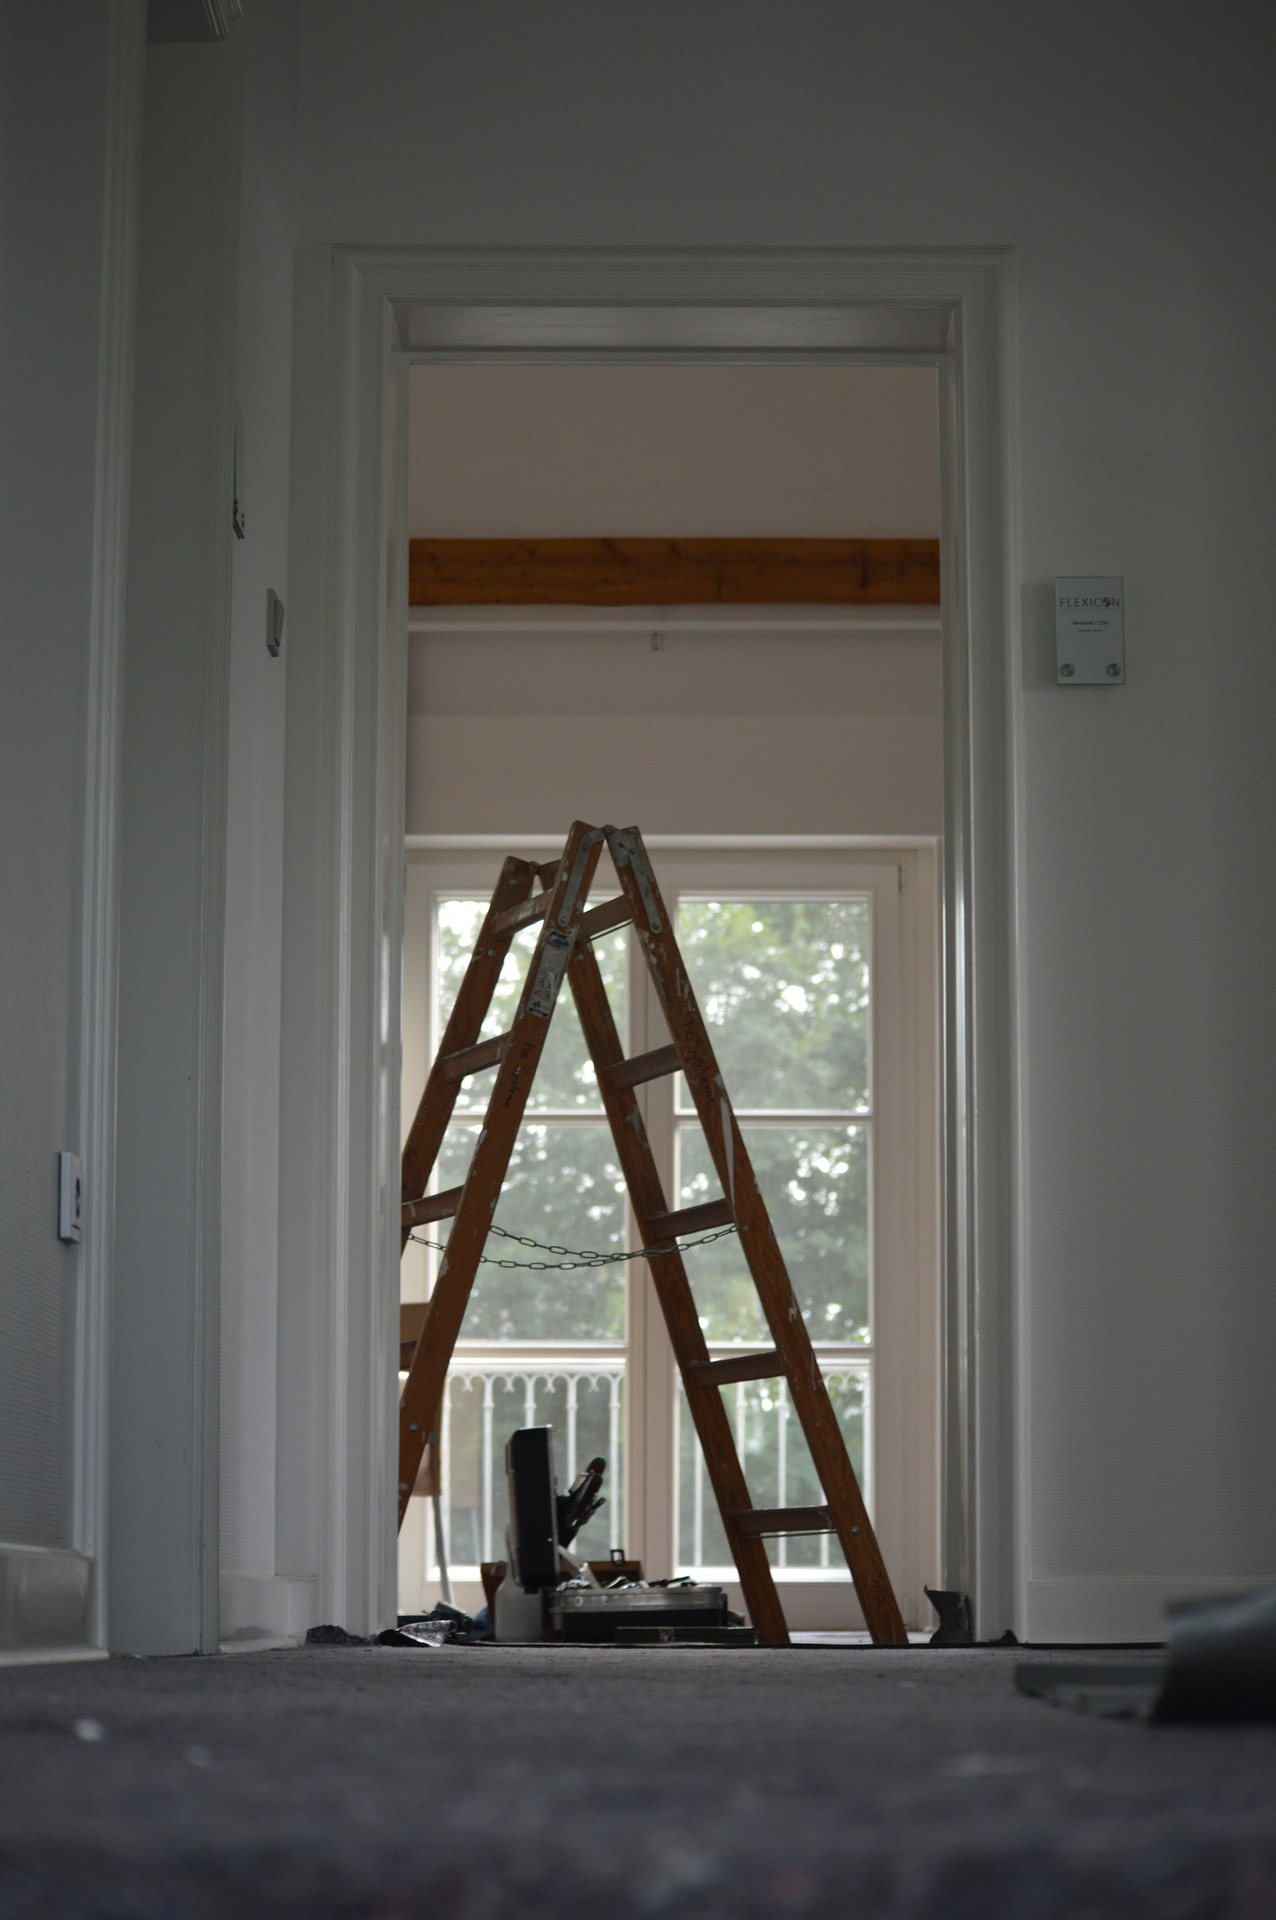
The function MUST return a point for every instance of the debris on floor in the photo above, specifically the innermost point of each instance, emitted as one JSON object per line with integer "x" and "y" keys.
{"x": 955, "y": 1627}
{"x": 444, "y": 1625}
{"x": 330, "y": 1636}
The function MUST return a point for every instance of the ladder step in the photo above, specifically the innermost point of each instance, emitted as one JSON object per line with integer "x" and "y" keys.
{"x": 644, "y": 1066}
{"x": 760, "y": 1521}
{"x": 602, "y": 918}
{"x": 434, "y": 1206}
{"x": 487, "y": 1053}
{"x": 714, "y": 1213}
{"x": 526, "y": 914}
{"x": 742, "y": 1366}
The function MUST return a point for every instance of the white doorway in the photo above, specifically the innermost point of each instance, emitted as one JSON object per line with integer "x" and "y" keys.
{"x": 698, "y": 724}
{"x": 363, "y": 320}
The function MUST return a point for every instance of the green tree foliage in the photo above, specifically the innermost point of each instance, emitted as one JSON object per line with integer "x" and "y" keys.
{"x": 564, "y": 1188}
{"x": 815, "y": 1183}
{"x": 784, "y": 989}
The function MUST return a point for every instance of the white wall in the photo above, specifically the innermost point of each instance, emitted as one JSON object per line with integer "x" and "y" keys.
{"x": 537, "y": 451}
{"x": 721, "y": 727}
{"x": 58, "y": 457}
{"x": 1126, "y": 158}
{"x": 172, "y": 828}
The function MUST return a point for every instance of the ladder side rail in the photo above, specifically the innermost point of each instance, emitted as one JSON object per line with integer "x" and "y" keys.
{"x": 758, "y": 1243}
{"x": 709, "y": 1415}
{"x": 474, "y": 997}
{"x": 423, "y": 1391}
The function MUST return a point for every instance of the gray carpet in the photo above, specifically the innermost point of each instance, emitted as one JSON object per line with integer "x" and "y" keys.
{"x": 497, "y": 1783}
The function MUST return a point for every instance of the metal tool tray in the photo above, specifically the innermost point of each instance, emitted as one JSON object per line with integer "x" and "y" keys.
{"x": 584, "y": 1613}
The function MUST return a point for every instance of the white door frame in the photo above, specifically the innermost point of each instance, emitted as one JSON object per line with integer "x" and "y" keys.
{"x": 362, "y": 315}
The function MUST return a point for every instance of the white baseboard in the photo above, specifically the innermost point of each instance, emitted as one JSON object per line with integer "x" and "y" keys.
{"x": 1118, "y": 1609}
{"x": 265, "y": 1610}
{"x": 49, "y": 1656}
{"x": 45, "y": 1599}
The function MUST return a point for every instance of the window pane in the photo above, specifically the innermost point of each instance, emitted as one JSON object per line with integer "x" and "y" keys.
{"x": 565, "y": 1077}
{"x": 565, "y": 1188}
{"x": 784, "y": 989}
{"x": 815, "y": 1184}
{"x": 777, "y": 1465}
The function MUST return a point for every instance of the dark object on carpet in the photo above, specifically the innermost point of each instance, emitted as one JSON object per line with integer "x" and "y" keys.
{"x": 460, "y": 1628}
{"x": 443, "y": 1625}
{"x": 419, "y": 1636}
{"x": 1006, "y": 1639}
{"x": 1220, "y": 1665}
{"x": 1222, "y": 1660}
{"x": 955, "y": 1627}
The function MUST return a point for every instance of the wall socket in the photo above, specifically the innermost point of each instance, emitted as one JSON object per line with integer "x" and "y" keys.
{"x": 70, "y": 1196}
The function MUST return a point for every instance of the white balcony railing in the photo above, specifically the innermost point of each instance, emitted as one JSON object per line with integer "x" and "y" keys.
{"x": 777, "y": 1466}
{"x": 578, "y": 1390}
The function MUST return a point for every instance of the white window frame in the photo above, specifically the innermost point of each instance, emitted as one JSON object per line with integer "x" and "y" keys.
{"x": 902, "y": 1443}
{"x": 902, "y": 1437}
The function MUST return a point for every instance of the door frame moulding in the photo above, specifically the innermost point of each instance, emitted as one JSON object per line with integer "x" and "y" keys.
{"x": 69, "y": 1587}
{"x": 363, "y": 315}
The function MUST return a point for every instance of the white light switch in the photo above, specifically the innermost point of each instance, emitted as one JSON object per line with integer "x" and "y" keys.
{"x": 70, "y": 1196}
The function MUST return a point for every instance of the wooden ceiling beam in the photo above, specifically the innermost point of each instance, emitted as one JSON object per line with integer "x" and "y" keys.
{"x": 673, "y": 573}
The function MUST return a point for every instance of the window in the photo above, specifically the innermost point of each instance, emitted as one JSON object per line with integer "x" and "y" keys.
{"x": 815, "y": 974}
{"x": 785, "y": 986}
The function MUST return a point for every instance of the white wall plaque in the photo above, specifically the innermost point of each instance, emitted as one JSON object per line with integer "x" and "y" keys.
{"x": 1089, "y": 630}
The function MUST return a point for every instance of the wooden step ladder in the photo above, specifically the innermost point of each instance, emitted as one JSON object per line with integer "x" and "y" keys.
{"x": 556, "y": 895}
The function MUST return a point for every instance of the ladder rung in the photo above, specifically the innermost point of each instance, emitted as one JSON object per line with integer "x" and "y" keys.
{"x": 549, "y": 872}
{"x": 714, "y": 1213}
{"x": 434, "y": 1206}
{"x": 605, "y": 916}
{"x": 741, "y": 1366}
{"x": 524, "y": 915}
{"x": 486, "y": 1053}
{"x": 644, "y": 1066}
{"x": 760, "y": 1521}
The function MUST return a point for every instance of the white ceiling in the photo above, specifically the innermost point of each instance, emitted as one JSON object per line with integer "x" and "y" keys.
{"x": 520, "y": 450}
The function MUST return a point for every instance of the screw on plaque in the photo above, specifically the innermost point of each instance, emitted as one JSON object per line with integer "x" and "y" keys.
{"x": 1114, "y": 669}
{"x": 1067, "y": 670}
